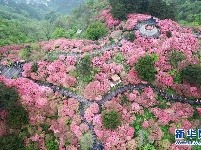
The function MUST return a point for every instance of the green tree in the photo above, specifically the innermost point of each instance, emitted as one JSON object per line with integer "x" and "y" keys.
{"x": 111, "y": 119}
{"x": 58, "y": 33}
{"x": 96, "y": 30}
{"x": 162, "y": 10}
{"x": 157, "y": 8}
{"x": 145, "y": 68}
{"x": 17, "y": 116}
{"x": 85, "y": 66}
{"x": 8, "y": 96}
{"x": 11, "y": 142}
{"x": 192, "y": 74}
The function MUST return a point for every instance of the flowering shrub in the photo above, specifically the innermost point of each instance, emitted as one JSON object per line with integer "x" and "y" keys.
{"x": 95, "y": 90}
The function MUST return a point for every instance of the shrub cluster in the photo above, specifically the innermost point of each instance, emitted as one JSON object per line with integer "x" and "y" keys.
{"x": 8, "y": 96}
{"x": 192, "y": 74}
{"x": 96, "y": 30}
{"x": 175, "y": 58}
{"x": 17, "y": 116}
{"x": 111, "y": 119}
{"x": 145, "y": 68}
{"x": 11, "y": 142}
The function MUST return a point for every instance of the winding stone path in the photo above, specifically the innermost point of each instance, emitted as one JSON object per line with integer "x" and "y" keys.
{"x": 93, "y": 52}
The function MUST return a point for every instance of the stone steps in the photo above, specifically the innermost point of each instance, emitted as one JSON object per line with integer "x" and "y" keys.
{"x": 9, "y": 72}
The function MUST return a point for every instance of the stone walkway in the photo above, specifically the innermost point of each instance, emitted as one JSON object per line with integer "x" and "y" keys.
{"x": 77, "y": 55}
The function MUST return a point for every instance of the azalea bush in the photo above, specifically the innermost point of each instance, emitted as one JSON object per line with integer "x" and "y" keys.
{"x": 145, "y": 68}
{"x": 111, "y": 120}
{"x": 176, "y": 57}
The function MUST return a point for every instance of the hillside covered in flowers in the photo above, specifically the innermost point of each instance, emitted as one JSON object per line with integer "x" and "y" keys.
{"x": 92, "y": 70}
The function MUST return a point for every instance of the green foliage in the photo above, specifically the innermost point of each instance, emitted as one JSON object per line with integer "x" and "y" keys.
{"x": 34, "y": 67}
{"x": 192, "y": 74}
{"x": 168, "y": 34}
{"x": 190, "y": 12}
{"x": 145, "y": 68}
{"x": 178, "y": 78}
{"x": 162, "y": 10}
{"x": 25, "y": 53}
{"x": 52, "y": 144}
{"x": 86, "y": 141}
{"x": 162, "y": 144}
{"x": 141, "y": 137}
{"x": 118, "y": 10}
{"x": 148, "y": 147}
{"x": 175, "y": 58}
{"x": 155, "y": 56}
{"x": 11, "y": 142}
{"x": 131, "y": 36}
{"x": 58, "y": 33}
{"x": 118, "y": 58}
{"x": 8, "y": 96}
{"x": 96, "y": 30}
{"x": 17, "y": 116}
{"x": 84, "y": 67}
{"x": 157, "y": 8}
{"x": 111, "y": 119}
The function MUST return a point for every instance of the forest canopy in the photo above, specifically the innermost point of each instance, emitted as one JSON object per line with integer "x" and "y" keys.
{"x": 156, "y": 8}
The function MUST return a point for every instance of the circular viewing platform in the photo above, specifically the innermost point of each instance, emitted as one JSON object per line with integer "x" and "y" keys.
{"x": 148, "y": 28}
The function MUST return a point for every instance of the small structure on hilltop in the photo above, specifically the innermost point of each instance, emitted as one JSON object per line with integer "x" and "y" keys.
{"x": 148, "y": 28}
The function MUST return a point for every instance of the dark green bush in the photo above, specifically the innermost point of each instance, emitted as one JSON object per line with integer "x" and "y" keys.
{"x": 175, "y": 58}
{"x": 8, "y": 96}
{"x": 11, "y": 142}
{"x": 34, "y": 67}
{"x": 111, "y": 120}
{"x": 192, "y": 74}
{"x": 17, "y": 116}
{"x": 96, "y": 30}
{"x": 84, "y": 67}
{"x": 158, "y": 8}
{"x": 145, "y": 68}
{"x": 168, "y": 34}
{"x": 131, "y": 36}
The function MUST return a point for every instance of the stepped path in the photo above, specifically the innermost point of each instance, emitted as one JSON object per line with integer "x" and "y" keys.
{"x": 77, "y": 55}
{"x": 15, "y": 71}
